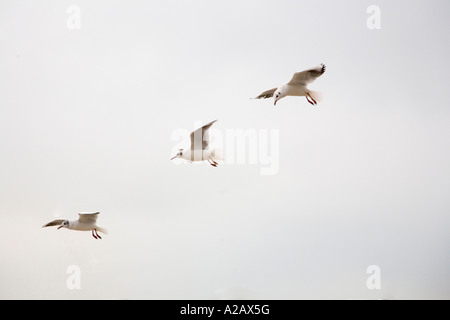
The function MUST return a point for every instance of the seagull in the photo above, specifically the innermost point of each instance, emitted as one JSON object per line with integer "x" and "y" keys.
{"x": 199, "y": 150}
{"x": 86, "y": 222}
{"x": 297, "y": 86}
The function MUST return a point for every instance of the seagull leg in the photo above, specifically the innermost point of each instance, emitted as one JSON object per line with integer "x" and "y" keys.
{"x": 212, "y": 162}
{"x": 94, "y": 234}
{"x": 313, "y": 102}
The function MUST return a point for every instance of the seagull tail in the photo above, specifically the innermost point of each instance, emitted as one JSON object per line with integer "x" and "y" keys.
{"x": 316, "y": 95}
{"x": 217, "y": 154}
{"x": 102, "y": 230}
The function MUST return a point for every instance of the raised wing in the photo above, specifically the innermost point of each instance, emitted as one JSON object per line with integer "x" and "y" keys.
{"x": 88, "y": 217}
{"x": 267, "y": 94}
{"x": 200, "y": 137}
{"x": 307, "y": 76}
{"x": 56, "y": 222}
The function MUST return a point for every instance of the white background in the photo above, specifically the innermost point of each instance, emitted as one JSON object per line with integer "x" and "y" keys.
{"x": 86, "y": 124}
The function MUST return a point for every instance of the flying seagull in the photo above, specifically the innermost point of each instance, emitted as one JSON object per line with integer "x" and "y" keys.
{"x": 297, "y": 86}
{"x": 86, "y": 222}
{"x": 199, "y": 150}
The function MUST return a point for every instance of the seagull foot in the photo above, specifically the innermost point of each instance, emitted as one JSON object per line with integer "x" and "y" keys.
{"x": 312, "y": 101}
{"x": 212, "y": 162}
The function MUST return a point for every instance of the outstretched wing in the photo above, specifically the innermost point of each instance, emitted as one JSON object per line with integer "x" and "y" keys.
{"x": 307, "y": 76}
{"x": 88, "y": 217}
{"x": 200, "y": 137}
{"x": 56, "y": 222}
{"x": 267, "y": 94}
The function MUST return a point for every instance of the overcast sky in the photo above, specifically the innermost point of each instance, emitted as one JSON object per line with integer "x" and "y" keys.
{"x": 90, "y": 115}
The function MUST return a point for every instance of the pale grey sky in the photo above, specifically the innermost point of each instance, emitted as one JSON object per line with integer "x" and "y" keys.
{"x": 87, "y": 119}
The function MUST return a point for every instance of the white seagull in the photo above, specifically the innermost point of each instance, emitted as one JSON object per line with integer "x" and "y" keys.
{"x": 199, "y": 150}
{"x": 297, "y": 86}
{"x": 87, "y": 221}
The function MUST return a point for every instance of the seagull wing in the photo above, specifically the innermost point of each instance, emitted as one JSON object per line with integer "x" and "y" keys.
{"x": 56, "y": 222}
{"x": 307, "y": 76}
{"x": 267, "y": 94}
{"x": 200, "y": 137}
{"x": 88, "y": 217}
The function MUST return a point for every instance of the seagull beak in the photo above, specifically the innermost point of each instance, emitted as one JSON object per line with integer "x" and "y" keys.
{"x": 59, "y": 227}
{"x": 275, "y": 102}
{"x": 173, "y": 158}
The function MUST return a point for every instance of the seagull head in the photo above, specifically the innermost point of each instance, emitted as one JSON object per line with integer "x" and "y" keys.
{"x": 65, "y": 224}
{"x": 277, "y": 96}
{"x": 179, "y": 154}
